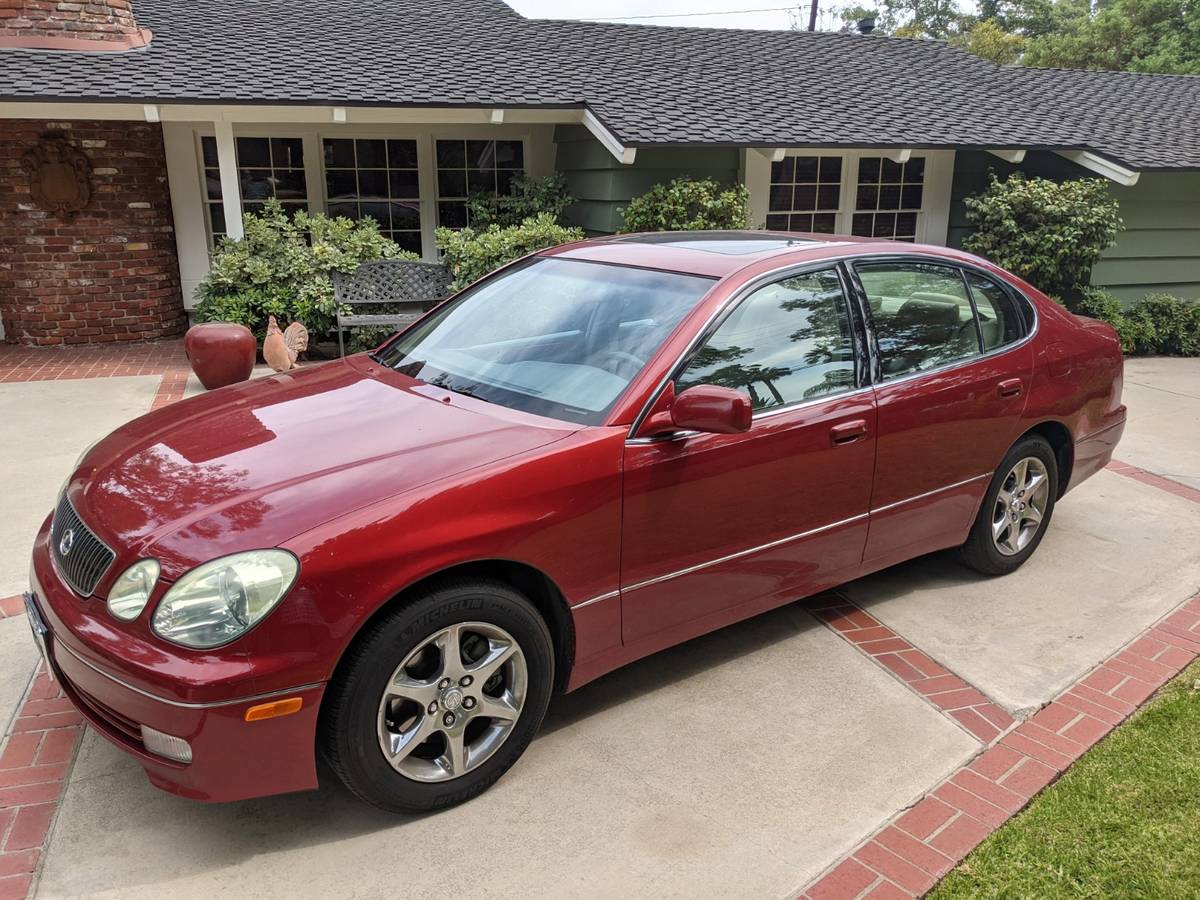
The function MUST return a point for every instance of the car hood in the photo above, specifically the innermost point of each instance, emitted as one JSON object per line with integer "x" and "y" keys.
{"x": 253, "y": 464}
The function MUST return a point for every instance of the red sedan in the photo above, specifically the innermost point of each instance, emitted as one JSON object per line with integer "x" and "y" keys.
{"x": 599, "y": 451}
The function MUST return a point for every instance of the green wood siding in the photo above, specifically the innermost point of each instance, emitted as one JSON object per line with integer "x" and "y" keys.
{"x": 1159, "y": 250}
{"x": 602, "y": 186}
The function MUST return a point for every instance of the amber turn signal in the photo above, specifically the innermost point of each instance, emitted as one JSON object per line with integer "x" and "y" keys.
{"x": 274, "y": 709}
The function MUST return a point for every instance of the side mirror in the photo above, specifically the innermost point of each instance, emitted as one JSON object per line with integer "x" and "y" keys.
{"x": 713, "y": 409}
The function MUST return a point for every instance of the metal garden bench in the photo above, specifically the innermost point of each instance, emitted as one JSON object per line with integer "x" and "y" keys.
{"x": 408, "y": 287}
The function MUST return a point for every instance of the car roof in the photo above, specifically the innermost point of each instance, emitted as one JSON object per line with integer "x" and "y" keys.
{"x": 716, "y": 254}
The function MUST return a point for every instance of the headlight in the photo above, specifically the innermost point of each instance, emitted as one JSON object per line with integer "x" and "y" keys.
{"x": 223, "y": 599}
{"x": 129, "y": 593}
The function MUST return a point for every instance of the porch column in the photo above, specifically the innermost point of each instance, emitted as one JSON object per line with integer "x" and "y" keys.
{"x": 231, "y": 193}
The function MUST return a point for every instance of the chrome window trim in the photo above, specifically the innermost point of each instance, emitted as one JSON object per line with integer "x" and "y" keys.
{"x": 740, "y": 553}
{"x": 855, "y": 285}
{"x": 706, "y": 329}
{"x": 958, "y": 363}
{"x": 179, "y": 703}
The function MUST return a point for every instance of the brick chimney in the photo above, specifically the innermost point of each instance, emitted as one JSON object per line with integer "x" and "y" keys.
{"x": 89, "y": 25}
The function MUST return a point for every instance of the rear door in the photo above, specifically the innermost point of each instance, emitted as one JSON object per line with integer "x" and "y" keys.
{"x": 953, "y": 375}
{"x": 717, "y": 526}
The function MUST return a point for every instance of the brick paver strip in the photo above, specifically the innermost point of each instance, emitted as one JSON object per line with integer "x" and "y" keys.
{"x": 952, "y": 819}
{"x": 34, "y": 764}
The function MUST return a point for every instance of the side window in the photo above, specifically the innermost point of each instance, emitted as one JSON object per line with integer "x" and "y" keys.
{"x": 786, "y": 343}
{"x": 999, "y": 320}
{"x": 922, "y": 315}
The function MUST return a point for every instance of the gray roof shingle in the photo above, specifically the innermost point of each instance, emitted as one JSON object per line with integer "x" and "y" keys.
{"x": 648, "y": 84}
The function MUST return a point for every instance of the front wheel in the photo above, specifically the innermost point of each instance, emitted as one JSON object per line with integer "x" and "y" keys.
{"x": 440, "y": 697}
{"x": 1016, "y": 510}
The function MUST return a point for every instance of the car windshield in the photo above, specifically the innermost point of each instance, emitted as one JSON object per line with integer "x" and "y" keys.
{"x": 556, "y": 337}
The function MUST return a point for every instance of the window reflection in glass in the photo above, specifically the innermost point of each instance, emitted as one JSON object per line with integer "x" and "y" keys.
{"x": 377, "y": 179}
{"x": 805, "y": 193}
{"x": 788, "y": 342}
{"x": 267, "y": 167}
{"x": 922, "y": 315}
{"x": 465, "y": 168}
{"x": 889, "y": 197}
{"x": 556, "y": 337}
{"x": 999, "y": 321}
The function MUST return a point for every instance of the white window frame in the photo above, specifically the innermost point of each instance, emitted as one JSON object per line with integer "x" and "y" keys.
{"x": 185, "y": 169}
{"x": 933, "y": 219}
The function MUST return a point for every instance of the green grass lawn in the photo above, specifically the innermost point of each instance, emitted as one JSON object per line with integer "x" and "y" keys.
{"x": 1124, "y": 821}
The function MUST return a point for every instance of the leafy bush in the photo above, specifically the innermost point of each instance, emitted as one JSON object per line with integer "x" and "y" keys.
{"x": 527, "y": 198}
{"x": 282, "y": 268}
{"x": 1158, "y": 323}
{"x": 1050, "y": 233}
{"x": 688, "y": 204}
{"x": 471, "y": 254}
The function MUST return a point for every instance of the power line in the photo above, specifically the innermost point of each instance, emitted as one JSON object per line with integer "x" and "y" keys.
{"x": 731, "y": 12}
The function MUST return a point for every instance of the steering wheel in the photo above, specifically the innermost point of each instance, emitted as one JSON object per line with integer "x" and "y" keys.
{"x": 616, "y": 360}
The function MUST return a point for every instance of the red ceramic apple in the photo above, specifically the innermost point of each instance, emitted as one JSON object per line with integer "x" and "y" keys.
{"x": 221, "y": 353}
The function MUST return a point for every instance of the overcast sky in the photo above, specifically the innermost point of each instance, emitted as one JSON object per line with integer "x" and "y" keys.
{"x": 724, "y": 13}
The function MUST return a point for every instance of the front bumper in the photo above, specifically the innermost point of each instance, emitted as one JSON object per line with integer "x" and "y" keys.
{"x": 231, "y": 759}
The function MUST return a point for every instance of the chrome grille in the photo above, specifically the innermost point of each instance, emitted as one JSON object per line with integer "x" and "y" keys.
{"x": 86, "y": 558}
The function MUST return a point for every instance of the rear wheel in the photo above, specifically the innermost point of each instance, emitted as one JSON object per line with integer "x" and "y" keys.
{"x": 440, "y": 697}
{"x": 1016, "y": 510}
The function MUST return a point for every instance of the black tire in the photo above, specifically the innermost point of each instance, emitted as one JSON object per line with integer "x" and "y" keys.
{"x": 980, "y": 551}
{"x": 347, "y": 733}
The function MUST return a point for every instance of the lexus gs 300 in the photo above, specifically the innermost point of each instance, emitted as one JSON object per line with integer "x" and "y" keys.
{"x": 393, "y": 560}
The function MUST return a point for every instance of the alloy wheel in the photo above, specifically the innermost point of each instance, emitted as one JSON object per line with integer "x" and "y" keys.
{"x": 452, "y": 702}
{"x": 1020, "y": 506}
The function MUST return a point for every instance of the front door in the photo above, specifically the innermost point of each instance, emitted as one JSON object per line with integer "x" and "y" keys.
{"x": 954, "y": 375}
{"x": 718, "y": 526}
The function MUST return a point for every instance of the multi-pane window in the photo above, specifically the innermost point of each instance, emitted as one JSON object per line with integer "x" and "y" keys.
{"x": 465, "y": 168}
{"x": 805, "y": 194}
{"x": 377, "y": 179}
{"x": 888, "y": 198}
{"x": 267, "y": 167}
{"x": 786, "y": 343}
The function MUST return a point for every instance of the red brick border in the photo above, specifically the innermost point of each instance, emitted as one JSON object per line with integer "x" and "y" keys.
{"x": 11, "y": 606}
{"x": 34, "y": 764}
{"x": 910, "y": 853}
{"x": 1164, "y": 484}
{"x": 938, "y": 685}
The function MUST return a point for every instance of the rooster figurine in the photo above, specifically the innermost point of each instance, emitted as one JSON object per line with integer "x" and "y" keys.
{"x": 280, "y": 348}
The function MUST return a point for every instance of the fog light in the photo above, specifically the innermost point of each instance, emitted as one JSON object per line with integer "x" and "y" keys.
{"x": 166, "y": 745}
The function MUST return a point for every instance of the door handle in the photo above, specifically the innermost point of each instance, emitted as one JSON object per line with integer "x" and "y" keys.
{"x": 1009, "y": 387}
{"x": 848, "y": 432}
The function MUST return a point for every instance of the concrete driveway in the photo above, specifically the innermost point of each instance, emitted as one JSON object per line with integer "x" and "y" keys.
{"x": 742, "y": 764}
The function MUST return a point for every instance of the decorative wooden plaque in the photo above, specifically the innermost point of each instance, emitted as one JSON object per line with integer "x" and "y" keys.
{"x": 60, "y": 175}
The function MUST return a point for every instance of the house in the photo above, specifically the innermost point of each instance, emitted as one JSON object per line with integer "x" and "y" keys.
{"x": 132, "y": 138}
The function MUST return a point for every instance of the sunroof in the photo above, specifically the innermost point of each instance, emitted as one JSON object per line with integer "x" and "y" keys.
{"x": 730, "y": 243}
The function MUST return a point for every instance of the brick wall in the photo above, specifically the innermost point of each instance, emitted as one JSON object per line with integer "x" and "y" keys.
{"x": 70, "y": 24}
{"x": 109, "y": 273}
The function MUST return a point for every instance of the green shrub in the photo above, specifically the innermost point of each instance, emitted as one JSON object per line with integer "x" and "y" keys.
{"x": 1050, "y": 233}
{"x": 1171, "y": 325}
{"x": 471, "y": 254}
{"x": 688, "y": 204}
{"x": 282, "y": 268}
{"x": 1158, "y": 323}
{"x": 527, "y": 198}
